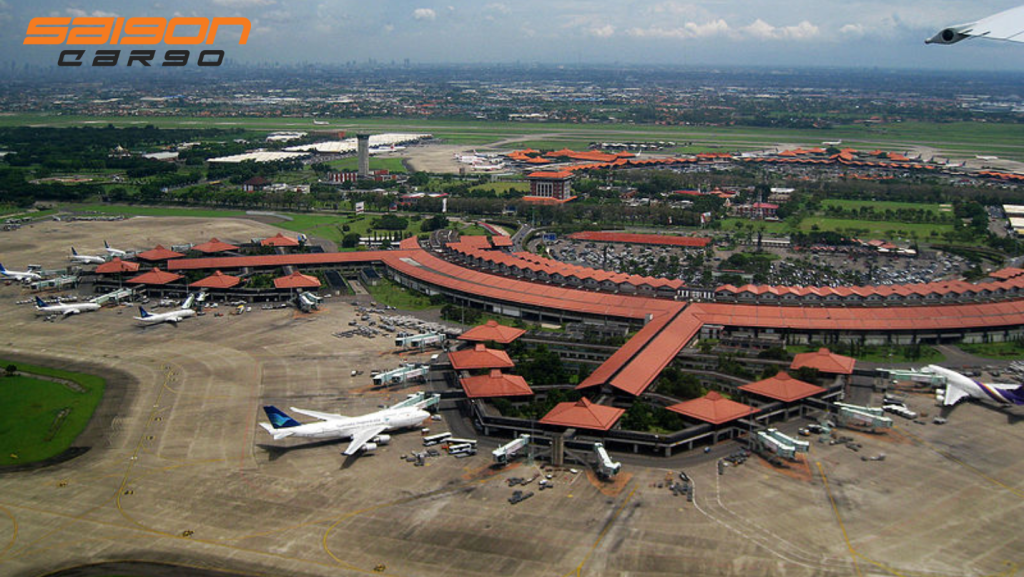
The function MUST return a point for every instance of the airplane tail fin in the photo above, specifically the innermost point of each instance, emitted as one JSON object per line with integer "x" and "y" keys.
{"x": 279, "y": 419}
{"x": 2, "y": 269}
{"x": 278, "y": 434}
{"x": 188, "y": 301}
{"x": 39, "y": 302}
{"x": 105, "y": 245}
{"x": 143, "y": 313}
{"x": 1016, "y": 396}
{"x": 73, "y": 251}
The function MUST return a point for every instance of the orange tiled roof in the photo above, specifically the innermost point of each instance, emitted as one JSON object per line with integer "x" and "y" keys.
{"x": 279, "y": 240}
{"x": 783, "y": 387}
{"x": 583, "y": 414}
{"x": 116, "y": 265}
{"x": 155, "y": 277}
{"x": 480, "y": 357}
{"x": 492, "y": 331}
{"x": 713, "y": 408}
{"x": 159, "y": 253}
{"x": 296, "y": 280}
{"x": 217, "y": 280}
{"x": 825, "y": 361}
{"x": 214, "y": 246}
{"x": 690, "y": 241}
{"x": 495, "y": 384}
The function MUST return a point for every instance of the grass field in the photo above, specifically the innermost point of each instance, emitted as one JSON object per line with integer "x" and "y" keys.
{"x": 389, "y": 293}
{"x": 968, "y": 138}
{"x": 1007, "y": 350}
{"x": 886, "y": 229}
{"x": 42, "y": 417}
{"x": 152, "y": 210}
{"x": 770, "y": 227}
{"x": 883, "y": 205}
{"x": 352, "y": 163}
{"x": 503, "y": 188}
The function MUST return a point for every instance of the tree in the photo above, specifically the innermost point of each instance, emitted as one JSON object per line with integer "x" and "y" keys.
{"x": 10, "y": 370}
{"x": 351, "y": 240}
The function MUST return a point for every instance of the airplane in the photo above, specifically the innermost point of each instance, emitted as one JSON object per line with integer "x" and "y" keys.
{"x": 23, "y": 276}
{"x": 959, "y": 387}
{"x": 364, "y": 432}
{"x": 175, "y": 316}
{"x": 85, "y": 258}
{"x": 64, "y": 309}
{"x": 114, "y": 251}
{"x": 1007, "y": 25}
{"x": 489, "y": 167}
{"x": 385, "y": 149}
{"x": 321, "y": 122}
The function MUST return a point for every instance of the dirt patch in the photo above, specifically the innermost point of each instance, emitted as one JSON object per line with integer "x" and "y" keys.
{"x": 611, "y": 487}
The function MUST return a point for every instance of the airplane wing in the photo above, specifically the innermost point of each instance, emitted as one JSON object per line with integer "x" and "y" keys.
{"x": 953, "y": 395}
{"x": 361, "y": 438}
{"x": 1006, "y": 25}
{"x": 318, "y": 414}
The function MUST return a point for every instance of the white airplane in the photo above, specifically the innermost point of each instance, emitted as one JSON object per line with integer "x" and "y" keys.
{"x": 85, "y": 258}
{"x": 364, "y": 432}
{"x": 489, "y": 167}
{"x": 959, "y": 387}
{"x": 1006, "y": 25}
{"x": 64, "y": 309}
{"x": 321, "y": 122}
{"x": 175, "y": 316}
{"x": 385, "y": 149}
{"x": 23, "y": 276}
{"x": 114, "y": 251}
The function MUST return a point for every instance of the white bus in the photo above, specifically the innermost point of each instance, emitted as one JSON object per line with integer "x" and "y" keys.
{"x": 435, "y": 439}
{"x": 462, "y": 448}
{"x": 454, "y": 441}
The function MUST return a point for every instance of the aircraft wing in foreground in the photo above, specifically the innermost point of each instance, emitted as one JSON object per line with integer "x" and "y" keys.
{"x": 1006, "y": 25}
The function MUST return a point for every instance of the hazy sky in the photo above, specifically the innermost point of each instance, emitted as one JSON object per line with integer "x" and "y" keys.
{"x": 874, "y": 33}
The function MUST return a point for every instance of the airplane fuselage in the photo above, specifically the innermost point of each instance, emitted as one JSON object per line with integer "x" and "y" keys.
{"x": 391, "y": 419}
{"x": 171, "y": 317}
{"x": 959, "y": 386}
{"x": 69, "y": 309}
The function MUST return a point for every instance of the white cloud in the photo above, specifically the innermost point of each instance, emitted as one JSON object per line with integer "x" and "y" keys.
{"x": 389, "y": 28}
{"x": 499, "y": 8}
{"x": 605, "y": 31}
{"x": 243, "y": 3}
{"x": 764, "y": 31}
{"x": 852, "y": 30}
{"x": 425, "y": 14}
{"x": 689, "y": 30}
{"x": 77, "y": 13}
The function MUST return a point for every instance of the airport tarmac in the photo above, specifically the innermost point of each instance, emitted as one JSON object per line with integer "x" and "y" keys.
{"x": 180, "y": 472}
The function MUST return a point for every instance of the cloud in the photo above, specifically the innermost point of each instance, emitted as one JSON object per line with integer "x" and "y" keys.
{"x": 499, "y": 8}
{"x": 689, "y": 30}
{"x": 603, "y": 31}
{"x": 425, "y": 14}
{"x": 77, "y": 13}
{"x": 764, "y": 31}
{"x": 389, "y": 28}
{"x": 852, "y": 30}
{"x": 243, "y": 3}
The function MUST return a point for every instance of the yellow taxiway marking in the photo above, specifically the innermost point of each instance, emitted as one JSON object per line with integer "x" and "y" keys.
{"x": 578, "y": 571}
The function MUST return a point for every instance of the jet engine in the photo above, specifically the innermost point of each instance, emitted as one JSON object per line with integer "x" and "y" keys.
{"x": 381, "y": 439}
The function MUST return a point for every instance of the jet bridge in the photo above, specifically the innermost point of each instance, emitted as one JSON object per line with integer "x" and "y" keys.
{"x": 58, "y": 283}
{"x": 857, "y": 417}
{"x": 419, "y": 400}
{"x": 421, "y": 341}
{"x": 114, "y": 296}
{"x": 781, "y": 444}
{"x": 933, "y": 379}
{"x": 606, "y": 468}
{"x": 403, "y": 374}
{"x": 505, "y": 453}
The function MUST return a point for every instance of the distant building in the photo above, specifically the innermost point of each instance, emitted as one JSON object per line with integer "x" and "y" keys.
{"x": 380, "y": 175}
{"x": 255, "y": 184}
{"x": 555, "y": 185}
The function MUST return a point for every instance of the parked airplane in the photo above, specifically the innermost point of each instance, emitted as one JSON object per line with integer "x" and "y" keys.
{"x": 85, "y": 258}
{"x": 959, "y": 387}
{"x": 321, "y": 122}
{"x": 64, "y": 309}
{"x": 385, "y": 149}
{"x": 114, "y": 251}
{"x": 364, "y": 432}
{"x": 175, "y": 316}
{"x": 1006, "y": 25}
{"x": 23, "y": 276}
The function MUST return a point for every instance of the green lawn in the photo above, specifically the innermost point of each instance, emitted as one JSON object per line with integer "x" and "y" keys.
{"x": 388, "y": 293}
{"x": 43, "y": 418}
{"x": 152, "y": 210}
{"x": 886, "y": 229}
{"x": 352, "y": 163}
{"x": 1007, "y": 350}
{"x": 883, "y": 205}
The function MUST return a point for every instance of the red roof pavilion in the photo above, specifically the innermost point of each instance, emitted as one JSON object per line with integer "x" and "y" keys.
{"x": 214, "y": 246}
{"x": 279, "y": 240}
{"x": 492, "y": 331}
{"x": 159, "y": 253}
{"x": 116, "y": 266}
{"x": 495, "y": 384}
{"x": 155, "y": 277}
{"x": 825, "y": 361}
{"x": 783, "y": 387}
{"x": 296, "y": 280}
{"x": 480, "y": 357}
{"x": 501, "y": 241}
{"x": 584, "y": 415}
{"x": 713, "y": 408}
{"x": 217, "y": 280}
